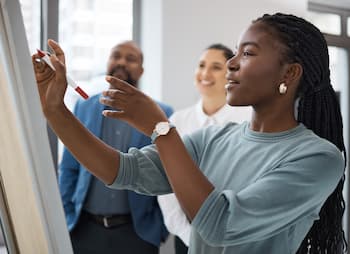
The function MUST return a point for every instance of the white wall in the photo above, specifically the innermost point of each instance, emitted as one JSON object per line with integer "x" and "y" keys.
{"x": 174, "y": 33}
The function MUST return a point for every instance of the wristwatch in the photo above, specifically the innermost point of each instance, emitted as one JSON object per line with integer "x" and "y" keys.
{"x": 161, "y": 129}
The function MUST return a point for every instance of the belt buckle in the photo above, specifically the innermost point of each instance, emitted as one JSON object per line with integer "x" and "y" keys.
{"x": 105, "y": 222}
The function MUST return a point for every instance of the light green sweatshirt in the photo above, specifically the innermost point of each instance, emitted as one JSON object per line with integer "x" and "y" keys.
{"x": 269, "y": 187}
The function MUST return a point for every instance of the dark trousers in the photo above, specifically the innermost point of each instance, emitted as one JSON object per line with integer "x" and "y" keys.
{"x": 88, "y": 237}
{"x": 180, "y": 247}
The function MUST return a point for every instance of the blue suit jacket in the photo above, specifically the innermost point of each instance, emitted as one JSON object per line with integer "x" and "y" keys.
{"x": 74, "y": 179}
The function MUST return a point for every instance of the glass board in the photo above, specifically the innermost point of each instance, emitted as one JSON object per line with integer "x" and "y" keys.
{"x": 31, "y": 210}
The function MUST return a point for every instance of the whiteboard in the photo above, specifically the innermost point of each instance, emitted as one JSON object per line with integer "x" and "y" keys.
{"x": 31, "y": 212}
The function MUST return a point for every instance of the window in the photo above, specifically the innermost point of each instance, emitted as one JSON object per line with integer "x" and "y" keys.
{"x": 88, "y": 29}
{"x": 339, "y": 66}
{"x": 327, "y": 22}
{"x": 87, "y": 32}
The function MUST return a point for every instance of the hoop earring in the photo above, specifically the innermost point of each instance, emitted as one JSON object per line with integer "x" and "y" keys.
{"x": 282, "y": 88}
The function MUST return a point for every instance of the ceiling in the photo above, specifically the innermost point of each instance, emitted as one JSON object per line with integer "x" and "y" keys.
{"x": 343, "y": 4}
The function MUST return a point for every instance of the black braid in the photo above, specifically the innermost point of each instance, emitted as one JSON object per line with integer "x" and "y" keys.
{"x": 318, "y": 110}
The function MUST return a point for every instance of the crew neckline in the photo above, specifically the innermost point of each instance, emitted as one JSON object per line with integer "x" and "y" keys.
{"x": 271, "y": 136}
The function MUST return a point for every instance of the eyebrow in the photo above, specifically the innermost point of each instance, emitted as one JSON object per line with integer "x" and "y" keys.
{"x": 131, "y": 55}
{"x": 117, "y": 53}
{"x": 246, "y": 43}
{"x": 218, "y": 63}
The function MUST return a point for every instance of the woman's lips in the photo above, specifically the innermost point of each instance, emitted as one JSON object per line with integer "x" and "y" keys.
{"x": 231, "y": 83}
{"x": 205, "y": 83}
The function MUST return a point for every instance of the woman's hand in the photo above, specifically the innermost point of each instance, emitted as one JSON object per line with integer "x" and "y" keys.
{"x": 52, "y": 84}
{"x": 132, "y": 106}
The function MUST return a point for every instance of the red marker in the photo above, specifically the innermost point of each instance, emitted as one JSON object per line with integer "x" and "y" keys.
{"x": 70, "y": 81}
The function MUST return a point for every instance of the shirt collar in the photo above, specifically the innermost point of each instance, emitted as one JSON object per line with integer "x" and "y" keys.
{"x": 220, "y": 117}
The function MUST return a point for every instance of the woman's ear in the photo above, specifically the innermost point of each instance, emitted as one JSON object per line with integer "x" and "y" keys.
{"x": 293, "y": 73}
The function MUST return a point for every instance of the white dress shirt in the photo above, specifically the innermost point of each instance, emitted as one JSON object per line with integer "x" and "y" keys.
{"x": 187, "y": 121}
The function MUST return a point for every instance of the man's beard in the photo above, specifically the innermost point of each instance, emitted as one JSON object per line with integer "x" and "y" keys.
{"x": 126, "y": 75}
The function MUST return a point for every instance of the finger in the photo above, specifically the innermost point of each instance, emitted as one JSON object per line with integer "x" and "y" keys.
{"x": 116, "y": 104}
{"x": 113, "y": 114}
{"x": 42, "y": 84}
{"x": 114, "y": 97}
{"x": 57, "y": 50}
{"x": 120, "y": 85}
{"x": 60, "y": 69}
{"x": 114, "y": 93}
{"x": 42, "y": 70}
{"x": 37, "y": 63}
{"x": 45, "y": 77}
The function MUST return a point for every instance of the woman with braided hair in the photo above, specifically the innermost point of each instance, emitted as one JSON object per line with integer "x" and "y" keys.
{"x": 318, "y": 110}
{"x": 272, "y": 185}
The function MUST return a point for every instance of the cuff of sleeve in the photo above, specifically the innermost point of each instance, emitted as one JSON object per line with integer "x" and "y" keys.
{"x": 211, "y": 216}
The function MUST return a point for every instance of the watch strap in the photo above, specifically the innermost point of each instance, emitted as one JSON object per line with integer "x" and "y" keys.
{"x": 155, "y": 134}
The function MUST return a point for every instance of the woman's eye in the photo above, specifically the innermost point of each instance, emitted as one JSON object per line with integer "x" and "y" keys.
{"x": 246, "y": 53}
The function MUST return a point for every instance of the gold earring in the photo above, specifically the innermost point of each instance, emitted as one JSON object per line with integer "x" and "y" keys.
{"x": 282, "y": 88}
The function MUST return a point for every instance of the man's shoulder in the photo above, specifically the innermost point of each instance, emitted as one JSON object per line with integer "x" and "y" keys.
{"x": 93, "y": 101}
{"x": 90, "y": 100}
{"x": 168, "y": 110}
{"x": 89, "y": 109}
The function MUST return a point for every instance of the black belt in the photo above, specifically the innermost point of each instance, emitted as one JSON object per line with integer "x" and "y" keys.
{"x": 108, "y": 221}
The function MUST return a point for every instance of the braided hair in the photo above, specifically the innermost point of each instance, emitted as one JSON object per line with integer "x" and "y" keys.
{"x": 319, "y": 111}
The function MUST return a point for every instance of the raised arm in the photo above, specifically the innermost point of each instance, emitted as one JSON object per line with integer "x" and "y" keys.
{"x": 187, "y": 181}
{"x": 101, "y": 159}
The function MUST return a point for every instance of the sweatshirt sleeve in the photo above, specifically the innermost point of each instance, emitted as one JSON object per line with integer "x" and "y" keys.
{"x": 142, "y": 171}
{"x": 278, "y": 200}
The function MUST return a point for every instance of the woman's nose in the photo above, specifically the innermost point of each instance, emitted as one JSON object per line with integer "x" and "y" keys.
{"x": 205, "y": 72}
{"x": 232, "y": 64}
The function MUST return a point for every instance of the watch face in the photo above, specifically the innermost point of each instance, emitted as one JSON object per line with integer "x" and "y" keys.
{"x": 162, "y": 128}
